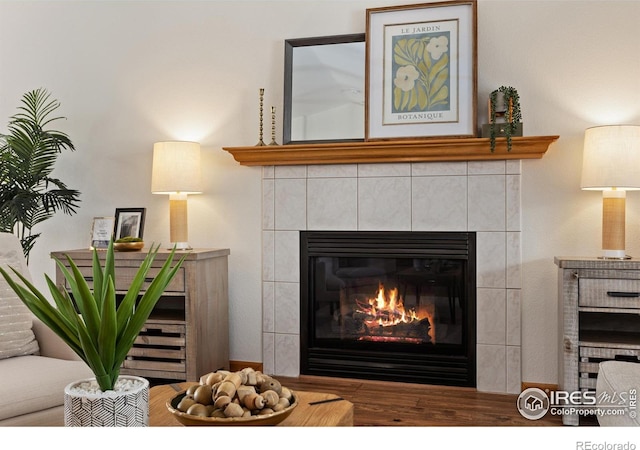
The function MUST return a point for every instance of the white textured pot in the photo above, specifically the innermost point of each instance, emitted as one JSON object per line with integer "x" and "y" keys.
{"x": 122, "y": 408}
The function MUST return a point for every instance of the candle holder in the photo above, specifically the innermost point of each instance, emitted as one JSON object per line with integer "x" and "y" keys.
{"x": 273, "y": 126}
{"x": 261, "y": 142}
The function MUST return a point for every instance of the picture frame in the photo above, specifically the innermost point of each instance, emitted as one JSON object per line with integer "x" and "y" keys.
{"x": 324, "y": 89}
{"x": 101, "y": 232}
{"x": 421, "y": 71}
{"x": 129, "y": 222}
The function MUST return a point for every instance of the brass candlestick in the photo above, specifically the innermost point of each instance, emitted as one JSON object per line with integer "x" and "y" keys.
{"x": 261, "y": 142}
{"x": 273, "y": 126}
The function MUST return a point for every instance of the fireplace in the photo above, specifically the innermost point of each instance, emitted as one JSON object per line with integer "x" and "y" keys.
{"x": 389, "y": 305}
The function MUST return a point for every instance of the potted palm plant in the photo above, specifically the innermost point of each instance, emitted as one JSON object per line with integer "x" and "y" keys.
{"x": 29, "y": 194}
{"x": 101, "y": 331}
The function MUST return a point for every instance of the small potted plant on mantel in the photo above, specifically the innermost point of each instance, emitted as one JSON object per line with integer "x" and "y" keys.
{"x": 101, "y": 332}
{"x": 505, "y": 116}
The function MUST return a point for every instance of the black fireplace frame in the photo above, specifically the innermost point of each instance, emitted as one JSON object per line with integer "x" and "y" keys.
{"x": 431, "y": 367}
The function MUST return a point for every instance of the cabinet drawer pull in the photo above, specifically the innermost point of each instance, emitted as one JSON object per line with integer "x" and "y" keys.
{"x": 623, "y": 294}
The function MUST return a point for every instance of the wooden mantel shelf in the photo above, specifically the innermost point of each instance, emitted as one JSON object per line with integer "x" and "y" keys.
{"x": 428, "y": 150}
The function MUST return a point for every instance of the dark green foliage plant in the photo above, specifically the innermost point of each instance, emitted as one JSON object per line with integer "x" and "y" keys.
{"x": 512, "y": 114}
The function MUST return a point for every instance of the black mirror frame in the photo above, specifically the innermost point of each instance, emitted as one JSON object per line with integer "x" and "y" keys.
{"x": 289, "y": 45}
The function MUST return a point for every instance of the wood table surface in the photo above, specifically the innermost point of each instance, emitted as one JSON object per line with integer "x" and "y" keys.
{"x": 337, "y": 413}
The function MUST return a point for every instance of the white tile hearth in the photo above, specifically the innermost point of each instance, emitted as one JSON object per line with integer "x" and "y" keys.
{"x": 450, "y": 196}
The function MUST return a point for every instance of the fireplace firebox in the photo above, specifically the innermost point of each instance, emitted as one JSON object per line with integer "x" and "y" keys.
{"x": 395, "y": 306}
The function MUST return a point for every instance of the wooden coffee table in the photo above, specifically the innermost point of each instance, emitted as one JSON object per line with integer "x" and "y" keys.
{"x": 308, "y": 413}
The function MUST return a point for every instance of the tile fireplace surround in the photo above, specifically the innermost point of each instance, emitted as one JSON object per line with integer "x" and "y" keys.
{"x": 480, "y": 196}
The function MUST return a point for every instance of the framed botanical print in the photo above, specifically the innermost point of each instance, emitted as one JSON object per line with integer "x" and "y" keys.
{"x": 421, "y": 71}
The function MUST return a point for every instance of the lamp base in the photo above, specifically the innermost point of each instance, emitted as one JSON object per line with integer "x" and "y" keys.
{"x": 618, "y": 258}
{"x": 614, "y": 254}
{"x": 180, "y": 246}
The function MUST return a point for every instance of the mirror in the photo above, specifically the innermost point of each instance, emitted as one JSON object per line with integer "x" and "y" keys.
{"x": 324, "y": 89}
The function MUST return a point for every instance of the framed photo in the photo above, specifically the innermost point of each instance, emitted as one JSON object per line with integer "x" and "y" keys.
{"x": 129, "y": 222}
{"x": 101, "y": 232}
{"x": 421, "y": 71}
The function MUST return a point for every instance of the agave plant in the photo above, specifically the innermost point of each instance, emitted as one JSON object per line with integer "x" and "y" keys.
{"x": 91, "y": 322}
{"x": 29, "y": 194}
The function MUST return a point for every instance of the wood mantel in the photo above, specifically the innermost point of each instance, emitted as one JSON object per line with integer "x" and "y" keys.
{"x": 428, "y": 150}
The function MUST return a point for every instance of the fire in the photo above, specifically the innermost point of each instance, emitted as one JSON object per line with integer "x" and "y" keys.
{"x": 386, "y": 309}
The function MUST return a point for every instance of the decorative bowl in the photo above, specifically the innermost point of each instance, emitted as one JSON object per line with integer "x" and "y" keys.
{"x": 128, "y": 246}
{"x": 266, "y": 419}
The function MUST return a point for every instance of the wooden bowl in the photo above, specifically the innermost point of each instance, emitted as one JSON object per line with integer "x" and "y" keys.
{"x": 128, "y": 246}
{"x": 253, "y": 421}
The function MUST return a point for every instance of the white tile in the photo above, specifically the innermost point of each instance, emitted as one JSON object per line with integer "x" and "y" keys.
{"x": 491, "y": 314}
{"x": 287, "y": 256}
{"x": 332, "y": 204}
{"x": 268, "y": 256}
{"x": 290, "y": 204}
{"x": 384, "y": 170}
{"x": 268, "y": 171}
{"x": 491, "y": 260}
{"x": 487, "y": 203}
{"x": 291, "y": 172}
{"x": 487, "y": 167}
{"x": 438, "y": 168}
{"x": 268, "y": 353}
{"x": 514, "y": 260}
{"x": 491, "y": 368}
{"x": 287, "y": 359}
{"x": 439, "y": 203}
{"x": 514, "y": 317}
{"x": 514, "y": 166}
{"x": 287, "y": 308}
{"x": 513, "y": 208}
{"x": 384, "y": 203}
{"x": 268, "y": 306}
{"x": 514, "y": 370}
{"x": 268, "y": 204}
{"x": 333, "y": 171}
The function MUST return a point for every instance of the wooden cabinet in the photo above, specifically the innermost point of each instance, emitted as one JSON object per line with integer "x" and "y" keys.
{"x": 598, "y": 319}
{"x": 187, "y": 334}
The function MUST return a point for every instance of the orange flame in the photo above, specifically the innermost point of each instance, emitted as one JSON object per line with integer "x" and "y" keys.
{"x": 387, "y": 309}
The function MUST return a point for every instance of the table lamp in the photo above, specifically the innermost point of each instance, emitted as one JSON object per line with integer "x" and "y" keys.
{"x": 611, "y": 164}
{"x": 176, "y": 171}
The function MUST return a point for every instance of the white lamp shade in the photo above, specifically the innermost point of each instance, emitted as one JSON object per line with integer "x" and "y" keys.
{"x": 611, "y": 158}
{"x": 176, "y": 168}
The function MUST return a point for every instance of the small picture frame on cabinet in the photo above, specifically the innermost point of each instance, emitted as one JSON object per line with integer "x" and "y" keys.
{"x": 129, "y": 223}
{"x": 101, "y": 232}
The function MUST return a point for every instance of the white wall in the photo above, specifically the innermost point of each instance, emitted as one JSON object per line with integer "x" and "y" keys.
{"x": 129, "y": 73}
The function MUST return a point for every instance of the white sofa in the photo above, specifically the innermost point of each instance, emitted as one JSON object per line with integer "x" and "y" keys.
{"x": 35, "y": 364}
{"x": 620, "y": 381}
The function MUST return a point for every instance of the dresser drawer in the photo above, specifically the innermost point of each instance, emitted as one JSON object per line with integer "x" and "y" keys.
{"x": 591, "y": 357}
{"x": 125, "y": 275}
{"x": 609, "y": 292}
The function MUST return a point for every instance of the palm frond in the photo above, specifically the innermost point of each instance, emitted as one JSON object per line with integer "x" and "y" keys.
{"x": 29, "y": 194}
